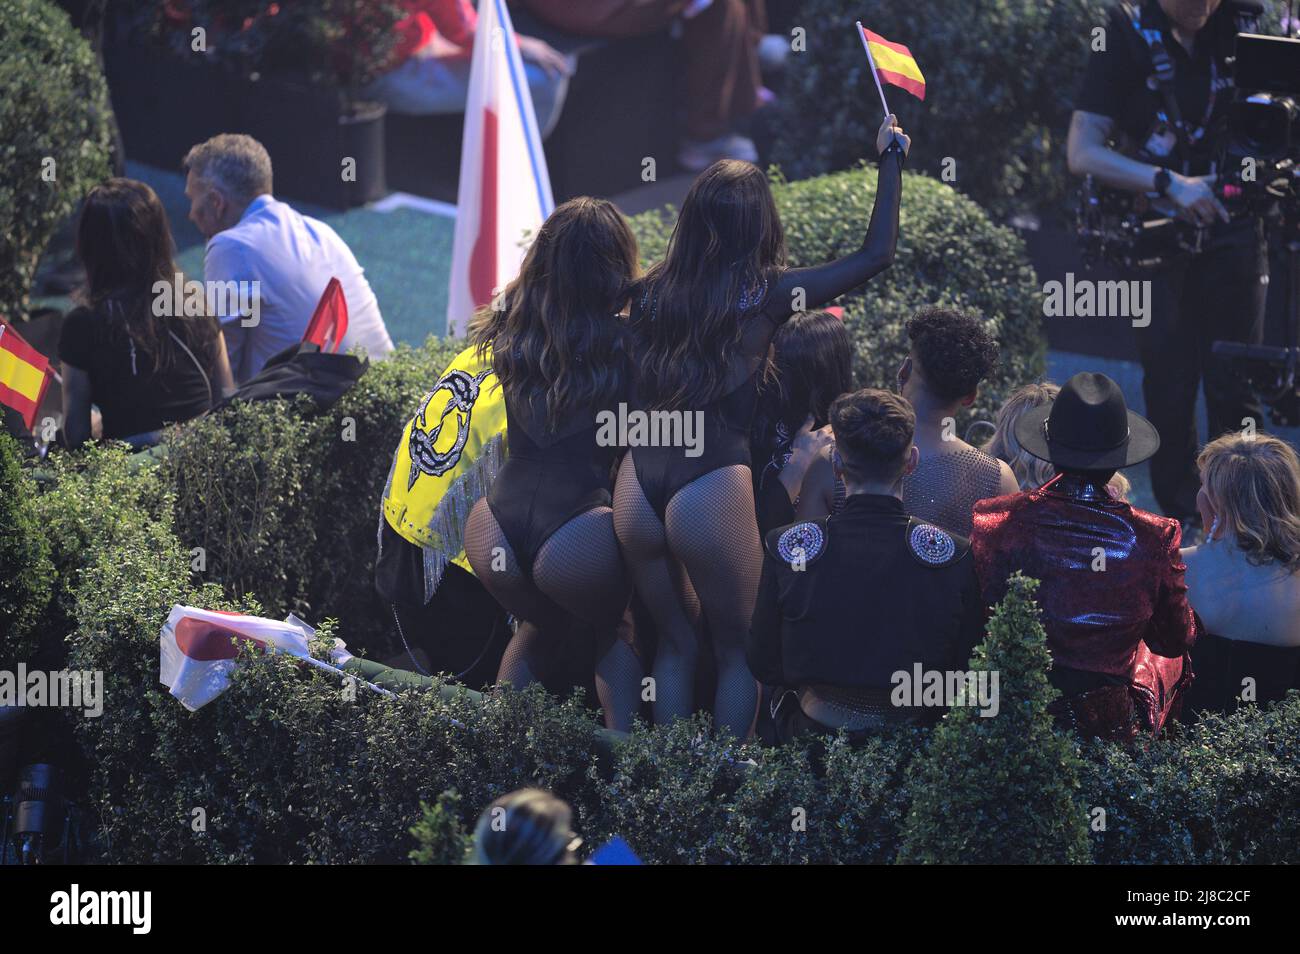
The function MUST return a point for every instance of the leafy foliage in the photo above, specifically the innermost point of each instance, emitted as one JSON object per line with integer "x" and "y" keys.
{"x": 291, "y": 765}
{"x": 1224, "y": 795}
{"x": 682, "y": 795}
{"x": 54, "y": 136}
{"x": 1001, "y": 790}
{"x": 285, "y": 504}
{"x": 26, "y": 573}
{"x": 441, "y": 836}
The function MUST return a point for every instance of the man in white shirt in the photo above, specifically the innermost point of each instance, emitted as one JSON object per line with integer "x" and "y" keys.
{"x": 280, "y": 260}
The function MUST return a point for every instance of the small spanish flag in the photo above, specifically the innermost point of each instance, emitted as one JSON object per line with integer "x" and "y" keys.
{"x": 894, "y": 63}
{"x": 24, "y": 374}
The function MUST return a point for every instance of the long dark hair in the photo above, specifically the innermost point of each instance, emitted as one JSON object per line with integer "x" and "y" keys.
{"x": 555, "y": 329}
{"x": 812, "y": 365}
{"x": 725, "y": 250}
{"x": 125, "y": 245}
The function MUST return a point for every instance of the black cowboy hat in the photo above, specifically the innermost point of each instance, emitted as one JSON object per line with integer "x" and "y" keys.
{"x": 1088, "y": 427}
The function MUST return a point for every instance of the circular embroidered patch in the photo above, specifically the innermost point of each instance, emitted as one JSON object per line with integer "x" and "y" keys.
{"x": 931, "y": 544}
{"x": 801, "y": 543}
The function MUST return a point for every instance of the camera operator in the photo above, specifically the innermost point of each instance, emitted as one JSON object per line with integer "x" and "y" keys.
{"x": 1161, "y": 88}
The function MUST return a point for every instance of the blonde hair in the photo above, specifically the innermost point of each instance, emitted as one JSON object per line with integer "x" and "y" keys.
{"x": 1032, "y": 472}
{"x": 1029, "y": 470}
{"x": 1254, "y": 484}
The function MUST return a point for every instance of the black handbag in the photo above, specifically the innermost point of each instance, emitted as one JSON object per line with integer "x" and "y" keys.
{"x": 303, "y": 369}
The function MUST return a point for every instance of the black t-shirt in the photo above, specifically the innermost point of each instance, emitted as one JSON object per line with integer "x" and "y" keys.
{"x": 1119, "y": 81}
{"x": 131, "y": 396}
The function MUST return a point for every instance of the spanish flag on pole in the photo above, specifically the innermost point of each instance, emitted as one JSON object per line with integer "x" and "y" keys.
{"x": 893, "y": 63}
{"x": 24, "y": 374}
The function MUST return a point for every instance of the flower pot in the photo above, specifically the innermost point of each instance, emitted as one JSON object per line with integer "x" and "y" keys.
{"x": 165, "y": 104}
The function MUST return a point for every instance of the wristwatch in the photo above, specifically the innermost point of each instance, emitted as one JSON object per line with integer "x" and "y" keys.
{"x": 1162, "y": 181}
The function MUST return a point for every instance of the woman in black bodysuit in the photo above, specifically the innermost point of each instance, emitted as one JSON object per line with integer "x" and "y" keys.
{"x": 542, "y": 542}
{"x": 702, "y": 321}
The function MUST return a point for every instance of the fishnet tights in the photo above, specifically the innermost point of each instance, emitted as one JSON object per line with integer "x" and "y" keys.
{"x": 706, "y": 556}
{"x": 578, "y": 574}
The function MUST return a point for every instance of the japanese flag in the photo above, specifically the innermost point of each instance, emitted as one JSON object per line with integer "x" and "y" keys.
{"x": 505, "y": 190}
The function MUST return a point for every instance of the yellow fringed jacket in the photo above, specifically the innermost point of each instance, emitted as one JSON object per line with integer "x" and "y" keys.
{"x": 448, "y": 456}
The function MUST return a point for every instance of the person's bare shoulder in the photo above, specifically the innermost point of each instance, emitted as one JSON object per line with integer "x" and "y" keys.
{"x": 1009, "y": 483}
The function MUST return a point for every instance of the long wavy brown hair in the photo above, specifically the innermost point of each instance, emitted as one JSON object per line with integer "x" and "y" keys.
{"x": 125, "y": 244}
{"x": 725, "y": 250}
{"x": 555, "y": 330}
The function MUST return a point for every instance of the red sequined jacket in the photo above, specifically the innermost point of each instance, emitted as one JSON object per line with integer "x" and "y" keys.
{"x": 1113, "y": 599}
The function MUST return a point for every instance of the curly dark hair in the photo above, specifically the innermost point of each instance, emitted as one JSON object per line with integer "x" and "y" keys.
{"x": 954, "y": 349}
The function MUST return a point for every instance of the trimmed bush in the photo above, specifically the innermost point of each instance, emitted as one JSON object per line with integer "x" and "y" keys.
{"x": 293, "y": 765}
{"x": 1000, "y": 80}
{"x": 26, "y": 573}
{"x": 441, "y": 837}
{"x": 1226, "y": 794}
{"x": 54, "y": 137}
{"x": 682, "y": 795}
{"x": 285, "y": 504}
{"x": 97, "y": 498}
{"x": 949, "y": 252}
{"x": 1001, "y": 790}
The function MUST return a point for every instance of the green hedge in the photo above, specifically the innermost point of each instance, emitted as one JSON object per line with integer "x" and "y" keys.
{"x": 1225, "y": 794}
{"x": 285, "y": 505}
{"x": 26, "y": 573}
{"x": 949, "y": 252}
{"x": 54, "y": 136}
{"x": 287, "y": 766}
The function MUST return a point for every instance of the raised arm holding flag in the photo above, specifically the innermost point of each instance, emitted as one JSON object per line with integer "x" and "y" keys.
{"x": 893, "y": 63}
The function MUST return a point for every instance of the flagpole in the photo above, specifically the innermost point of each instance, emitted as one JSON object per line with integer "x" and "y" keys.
{"x": 319, "y": 664}
{"x": 875, "y": 75}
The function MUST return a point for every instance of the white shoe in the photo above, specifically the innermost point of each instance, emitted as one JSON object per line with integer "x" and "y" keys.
{"x": 697, "y": 156}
